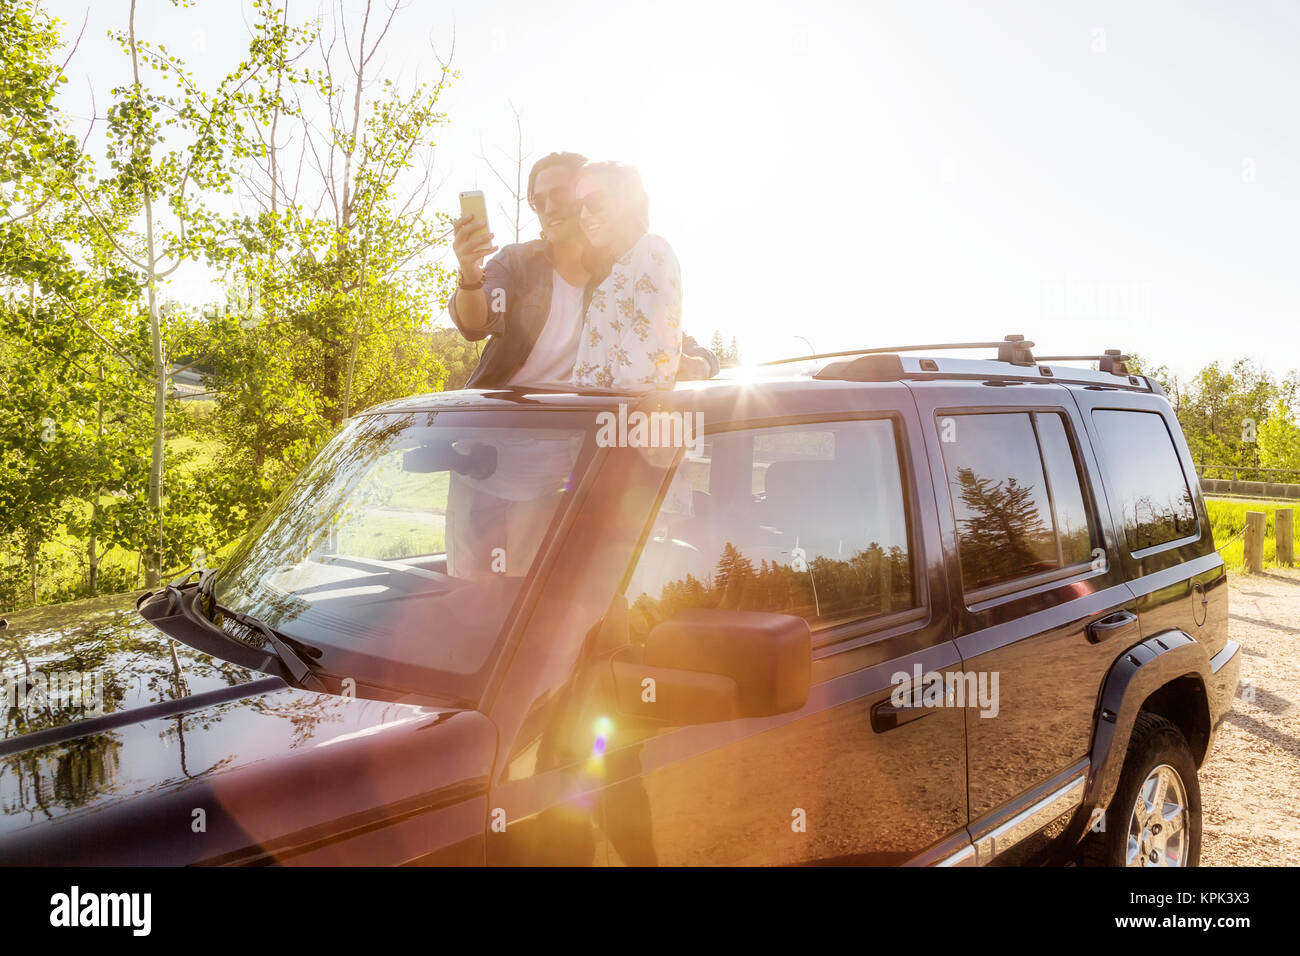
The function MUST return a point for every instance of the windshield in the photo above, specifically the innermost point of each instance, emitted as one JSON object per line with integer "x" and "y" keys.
{"x": 399, "y": 552}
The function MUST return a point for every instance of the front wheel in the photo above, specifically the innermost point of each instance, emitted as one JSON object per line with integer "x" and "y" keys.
{"x": 1154, "y": 818}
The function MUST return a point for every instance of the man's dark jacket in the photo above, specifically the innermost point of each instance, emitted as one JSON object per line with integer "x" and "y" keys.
{"x": 517, "y": 282}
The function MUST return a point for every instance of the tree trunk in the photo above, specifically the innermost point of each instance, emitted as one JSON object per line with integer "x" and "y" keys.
{"x": 33, "y": 552}
{"x": 347, "y": 222}
{"x": 92, "y": 556}
{"x": 352, "y": 363}
{"x": 153, "y": 548}
{"x": 92, "y": 546}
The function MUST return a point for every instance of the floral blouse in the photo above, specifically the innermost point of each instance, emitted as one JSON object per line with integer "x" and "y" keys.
{"x": 632, "y": 331}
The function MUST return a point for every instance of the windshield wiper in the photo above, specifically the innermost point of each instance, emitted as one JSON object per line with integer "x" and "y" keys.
{"x": 298, "y": 669}
{"x": 206, "y": 577}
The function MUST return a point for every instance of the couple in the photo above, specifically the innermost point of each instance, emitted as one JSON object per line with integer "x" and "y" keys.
{"x": 595, "y": 303}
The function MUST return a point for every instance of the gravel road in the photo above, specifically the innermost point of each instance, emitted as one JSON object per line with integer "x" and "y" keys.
{"x": 1250, "y": 786}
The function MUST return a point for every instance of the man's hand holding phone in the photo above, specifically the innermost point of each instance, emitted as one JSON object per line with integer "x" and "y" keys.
{"x": 472, "y": 241}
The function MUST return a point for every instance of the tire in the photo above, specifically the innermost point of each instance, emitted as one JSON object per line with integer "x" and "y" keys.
{"x": 1157, "y": 753}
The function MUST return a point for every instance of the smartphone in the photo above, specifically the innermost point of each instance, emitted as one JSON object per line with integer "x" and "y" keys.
{"x": 472, "y": 204}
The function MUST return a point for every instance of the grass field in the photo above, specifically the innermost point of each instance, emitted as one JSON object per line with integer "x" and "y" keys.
{"x": 63, "y": 558}
{"x": 1228, "y": 516}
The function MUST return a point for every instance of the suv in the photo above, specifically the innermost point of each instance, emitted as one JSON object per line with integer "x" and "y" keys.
{"x": 885, "y": 610}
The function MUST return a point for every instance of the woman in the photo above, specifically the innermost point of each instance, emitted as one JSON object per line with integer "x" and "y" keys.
{"x": 631, "y": 335}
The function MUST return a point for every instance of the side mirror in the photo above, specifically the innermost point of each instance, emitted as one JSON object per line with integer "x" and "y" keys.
{"x": 702, "y": 666}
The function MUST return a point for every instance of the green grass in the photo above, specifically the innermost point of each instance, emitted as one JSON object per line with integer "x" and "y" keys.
{"x": 206, "y": 450}
{"x": 393, "y": 536}
{"x": 1228, "y": 516}
{"x": 414, "y": 490}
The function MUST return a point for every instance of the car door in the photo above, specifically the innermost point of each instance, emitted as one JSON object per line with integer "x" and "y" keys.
{"x": 1039, "y": 602}
{"x": 829, "y": 517}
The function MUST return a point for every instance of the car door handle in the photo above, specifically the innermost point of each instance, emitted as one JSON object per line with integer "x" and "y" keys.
{"x": 1106, "y": 627}
{"x": 885, "y": 716}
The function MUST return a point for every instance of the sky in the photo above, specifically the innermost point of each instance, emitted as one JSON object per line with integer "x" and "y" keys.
{"x": 1100, "y": 175}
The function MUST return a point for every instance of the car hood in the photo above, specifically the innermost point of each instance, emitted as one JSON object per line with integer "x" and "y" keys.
{"x": 96, "y": 658}
{"x": 131, "y": 725}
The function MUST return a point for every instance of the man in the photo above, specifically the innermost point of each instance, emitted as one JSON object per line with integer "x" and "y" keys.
{"x": 531, "y": 296}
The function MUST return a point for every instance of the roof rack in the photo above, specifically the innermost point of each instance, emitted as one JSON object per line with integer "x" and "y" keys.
{"x": 1112, "y": 360}
{"x": 885, "y": 364}
{"x": 1013, "y": 349}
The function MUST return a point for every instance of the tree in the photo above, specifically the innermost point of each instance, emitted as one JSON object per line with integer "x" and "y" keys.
{"x": 733, "y": 576}
{"x": 1000, "y": 526}
{"x": 334, "y": 278}
{"x": 152, "y": 209}
{"x": 1279, "y": 439}
{"x": 332, "y": 283}
{"x": 458, "y": 355}
{"x": 71, "y": 395}
{"x": 516, "y": 190}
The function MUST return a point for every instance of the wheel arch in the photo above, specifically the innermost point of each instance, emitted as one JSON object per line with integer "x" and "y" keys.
{"x": 1184, "y": 702}
{"x": 1166, "y": 674}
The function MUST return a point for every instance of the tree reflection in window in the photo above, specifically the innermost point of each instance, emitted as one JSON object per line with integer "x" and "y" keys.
{"x": 1003, "y": 534}
{"x": 804, "y": 519}
{"x": 1017, "y": 497}
{"x": 1146, "y": 477}
{"x": 829, "y": 591}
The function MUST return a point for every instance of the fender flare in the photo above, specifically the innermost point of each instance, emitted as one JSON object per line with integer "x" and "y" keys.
{"x": 1134, "y": 676}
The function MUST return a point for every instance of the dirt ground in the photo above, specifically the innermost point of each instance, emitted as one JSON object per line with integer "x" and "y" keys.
{"x": 1250, "y": 786}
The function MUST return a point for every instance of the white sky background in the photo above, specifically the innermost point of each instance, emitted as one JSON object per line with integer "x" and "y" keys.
{"x": 1090, "y": 175}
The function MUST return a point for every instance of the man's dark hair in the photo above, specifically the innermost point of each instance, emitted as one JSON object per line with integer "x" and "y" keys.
{"x": 574, "y": 161}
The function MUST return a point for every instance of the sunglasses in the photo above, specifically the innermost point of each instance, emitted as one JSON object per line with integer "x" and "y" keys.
{"x": 594, "y": 203}
{"x": 558, "y": 198}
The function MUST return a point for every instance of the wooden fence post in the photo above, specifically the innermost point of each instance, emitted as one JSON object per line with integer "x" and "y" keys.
{"x": 1254, "y": 543}
{"x": 1284, "y": 532}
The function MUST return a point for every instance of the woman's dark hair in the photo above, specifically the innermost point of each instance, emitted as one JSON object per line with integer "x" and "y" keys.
{"x": 574, "y": 161}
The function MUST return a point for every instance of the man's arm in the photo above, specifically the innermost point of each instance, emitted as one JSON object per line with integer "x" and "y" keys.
{"x": 469, "y": 307}
{"x": 491, "y": 298}
{"x": 698, "y": 363}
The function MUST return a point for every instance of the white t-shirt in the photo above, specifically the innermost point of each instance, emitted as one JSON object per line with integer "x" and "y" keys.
{"x": 551, "y": 361}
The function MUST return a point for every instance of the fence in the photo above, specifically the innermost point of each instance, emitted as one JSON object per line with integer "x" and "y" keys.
{"x": 1283, "y": 533}
{"x": 1248, "y": 481}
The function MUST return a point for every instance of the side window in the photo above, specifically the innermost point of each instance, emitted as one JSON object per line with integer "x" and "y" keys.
{"x": 1073, "y": 527}
{"x": 1017, "y": 498}
{"x": 801, "y": 519}
{"x": 1146, "y": 477}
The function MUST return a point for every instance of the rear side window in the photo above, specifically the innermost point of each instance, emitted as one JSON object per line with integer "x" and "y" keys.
{"x": 1017, "y": 498}
{"x": 1146, "y": 477}
{"x": 1073, "y": 528}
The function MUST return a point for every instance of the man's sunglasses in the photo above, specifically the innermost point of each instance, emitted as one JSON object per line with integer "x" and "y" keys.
{"x": 558, "y": 198}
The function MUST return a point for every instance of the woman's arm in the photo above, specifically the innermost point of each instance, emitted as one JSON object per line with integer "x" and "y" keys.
{"x": 654, "y": 336}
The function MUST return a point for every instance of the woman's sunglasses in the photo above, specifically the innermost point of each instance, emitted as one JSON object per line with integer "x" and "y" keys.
{"x": 594, "y": 203}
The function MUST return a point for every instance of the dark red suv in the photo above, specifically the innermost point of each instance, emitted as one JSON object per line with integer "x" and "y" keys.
{"x": 882, "y": 609}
